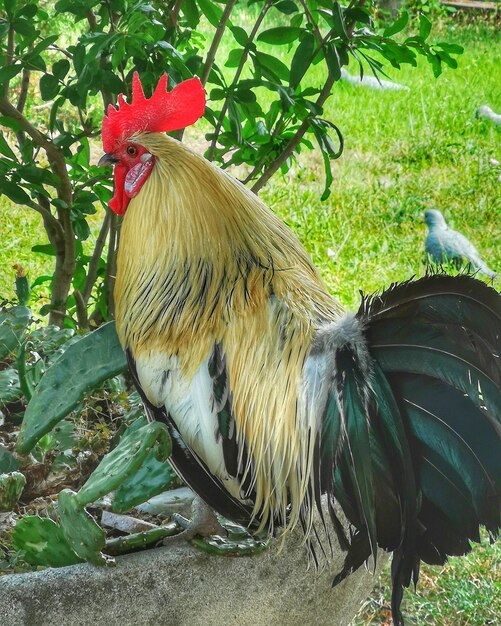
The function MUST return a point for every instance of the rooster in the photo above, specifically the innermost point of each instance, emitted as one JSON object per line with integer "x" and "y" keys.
{"x": 276, "y": 399}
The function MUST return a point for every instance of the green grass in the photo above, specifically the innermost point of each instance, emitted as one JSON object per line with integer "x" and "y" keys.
{"x": 464, "y": 592}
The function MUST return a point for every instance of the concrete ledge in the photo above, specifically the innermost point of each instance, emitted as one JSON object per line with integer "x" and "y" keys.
{"x": 180, "y": 586}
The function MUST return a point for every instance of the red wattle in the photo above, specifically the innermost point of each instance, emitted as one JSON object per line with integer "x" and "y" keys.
{"x": 120, "y": 201}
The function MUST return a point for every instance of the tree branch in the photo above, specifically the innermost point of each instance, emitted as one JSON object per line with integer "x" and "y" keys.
{"x": 294, "y": 142}
{"x": 218, "y": 35}
{"x": 96, "y": 256}
{"x": 54, "y": 155}
{"x": 245, "y": 54}
{"x": 174, "y": 14}
{"x": 111, "y": 265}
{"x": 23, "y": 93}
{"x": 9, "y": 57}
{"x": 47, "y": 217}
{"x": 81, "y": 310}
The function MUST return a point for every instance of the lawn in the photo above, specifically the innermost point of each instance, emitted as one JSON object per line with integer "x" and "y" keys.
{"x": 405, "y": 151}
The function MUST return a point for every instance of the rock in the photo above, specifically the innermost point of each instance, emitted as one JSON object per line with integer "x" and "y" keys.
{"x": 179, "y": 586}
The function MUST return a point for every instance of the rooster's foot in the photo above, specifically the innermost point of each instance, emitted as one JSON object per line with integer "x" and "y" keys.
{"x": 203, "y": 523}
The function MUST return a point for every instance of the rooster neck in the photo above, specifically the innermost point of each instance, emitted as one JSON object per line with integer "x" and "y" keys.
{"x": 198, "y": 249}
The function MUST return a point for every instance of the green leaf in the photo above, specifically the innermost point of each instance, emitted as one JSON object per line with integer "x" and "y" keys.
{"x": 338, "y": 21}
{"x": 10, "y": 122}
{"x": 451, "y": 48}
{"x": 328, "y": 149}
{"x": 24, "y": 27}
{"x": 9, "y": 71}
{"x": 6, "y": 150}
{"x": 333, "y": 61}
{"x": 49, "y": 87}
{"x": 83, "y": 366}
{"x": 424, "y": 26}
{"x": 280, "y": 35}
{"x": 81, "y": 228}
{"x": 234, "y": 57}
{"x": 302, "y": 59}
{"x": 448, "y": 60}
{"x": 240, "y": 35}
{"x": 28, "y": 10}
{"x": 41, "y": 46}
{"x": 61, "y": 68}
{"x": 14, "y": 192}
{"x": 190, "y": 11}
{"x": 397, "y": 26}
{"x": 286, "y": 6}
{"x": 45, "y": 248}
{"x": 272, "y": 65}
{"x": 212, "y": 12}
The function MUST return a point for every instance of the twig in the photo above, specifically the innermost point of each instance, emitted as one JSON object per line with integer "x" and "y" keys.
{"x": 174, "y": 14}
{"x": 96, "y": 256}
{"x": 111, "y": 265}
{"x": 218, "y": 35}
{"x": 245, "y": 54}
{"x": 81, "y": 309}
{"x": 9, "y": 57}
{"x": 61, "y": 50}
{"x": 47, "y": 216}
{"x": 23, "y": 93}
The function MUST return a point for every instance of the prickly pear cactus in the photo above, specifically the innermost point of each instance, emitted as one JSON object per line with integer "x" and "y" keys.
{"x": 8, "y": 462}
{"x": 85, "y": 537}
{"x": 151, "y": 478}
{"x": 126, "y": 459}
{"x": 10, "y": 390}
{"x": 42, "y": 542}
{"x": 11, "y": 488}
{"x": 83, "y": 366}
{"x": 13, "y": 323}
{"x": 22, "y": 285}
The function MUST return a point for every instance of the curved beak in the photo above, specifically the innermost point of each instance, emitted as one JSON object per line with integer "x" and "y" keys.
{"x": 107, "y": 159}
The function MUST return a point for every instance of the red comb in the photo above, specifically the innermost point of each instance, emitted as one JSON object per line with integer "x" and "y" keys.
{"x": 163, "y": 112}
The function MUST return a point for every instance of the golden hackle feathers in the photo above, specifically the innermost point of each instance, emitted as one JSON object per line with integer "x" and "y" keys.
{"x": 202, "y": 261}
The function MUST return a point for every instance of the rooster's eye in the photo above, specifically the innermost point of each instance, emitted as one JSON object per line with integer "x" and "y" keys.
{"x": 132, "y": 151}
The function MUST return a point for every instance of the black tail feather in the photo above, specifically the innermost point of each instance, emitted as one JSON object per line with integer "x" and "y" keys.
{"x": 433, "y": 422}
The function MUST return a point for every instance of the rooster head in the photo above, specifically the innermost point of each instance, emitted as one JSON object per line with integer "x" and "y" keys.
{"x": 163, "y": 112}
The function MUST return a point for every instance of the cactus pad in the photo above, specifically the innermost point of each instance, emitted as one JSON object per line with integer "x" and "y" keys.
{"x": 11, "y": 488}
{"x": 42, "y": 542}
{"x": 8, "y": 462}
{"x": 83, "y": 366}
{"x": 13, "y": 323}
{"x": 85, "y": 537}
{"x": 125, "y": 459}
{"x": 151, "y": 478}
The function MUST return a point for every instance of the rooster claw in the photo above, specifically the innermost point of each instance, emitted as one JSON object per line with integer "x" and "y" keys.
{"x": 203, "y": 523}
